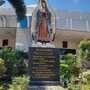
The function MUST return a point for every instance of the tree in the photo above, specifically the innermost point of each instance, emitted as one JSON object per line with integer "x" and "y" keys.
{"x": 2, "y": 2}
{"x": 19, "y": 7}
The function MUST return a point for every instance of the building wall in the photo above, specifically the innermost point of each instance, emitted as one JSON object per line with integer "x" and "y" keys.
{"x": 71, "y": 44}
{"x": 23, "y": 39}
{"x": 8, "y": 34}
{"x": 72, "y": 37}
{"x": 8, "y": 21}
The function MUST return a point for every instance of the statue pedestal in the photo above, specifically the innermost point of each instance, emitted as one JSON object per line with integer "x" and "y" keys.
{"x": 47, "y": 45}
{"x": 44, "y": 57}
{"x": 44, "y": 66}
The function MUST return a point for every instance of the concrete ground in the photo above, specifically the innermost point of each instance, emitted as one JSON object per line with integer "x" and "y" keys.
{"x": 46, "y": 88}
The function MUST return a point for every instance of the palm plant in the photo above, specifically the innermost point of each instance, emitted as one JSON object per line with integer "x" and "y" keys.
{"x": 2, "y": 2}
{"x": 19, "y": 7}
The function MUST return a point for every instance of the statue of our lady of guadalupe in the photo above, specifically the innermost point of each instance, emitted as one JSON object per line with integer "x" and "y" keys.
{"x": 43, "y": 30}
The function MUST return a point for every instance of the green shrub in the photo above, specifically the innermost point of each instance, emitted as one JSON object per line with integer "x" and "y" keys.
{"x": 75, "y": 84}
{"x": 83, "y": 53}
{"x": 15, "y": 62}
{"x": 68, "y": 66}
{"x": 19, "y": 83}
{"x": 87, "y": 76}
{"x": 2, "y": 67}
{"x": 1, "y": 87}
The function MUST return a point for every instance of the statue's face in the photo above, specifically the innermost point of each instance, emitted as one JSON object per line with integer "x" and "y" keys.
{"x": 43, "y": 4}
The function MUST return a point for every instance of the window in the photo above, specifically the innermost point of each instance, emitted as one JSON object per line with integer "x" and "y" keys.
{"x": 5, "y": 42}
{"x": 65, "y": 44}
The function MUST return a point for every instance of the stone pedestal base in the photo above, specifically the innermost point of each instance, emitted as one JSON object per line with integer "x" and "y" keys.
{"x": 38, "y": 44}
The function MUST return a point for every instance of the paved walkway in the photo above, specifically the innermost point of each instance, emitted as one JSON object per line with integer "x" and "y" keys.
{"x": 46, "y": 88}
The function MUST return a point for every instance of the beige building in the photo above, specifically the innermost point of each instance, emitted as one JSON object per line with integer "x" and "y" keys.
{"x": 71, "y": 28}
{"x": 7, "y": 28}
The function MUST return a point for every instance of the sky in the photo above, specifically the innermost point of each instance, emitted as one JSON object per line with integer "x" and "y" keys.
{"x": 70, "y": 5}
